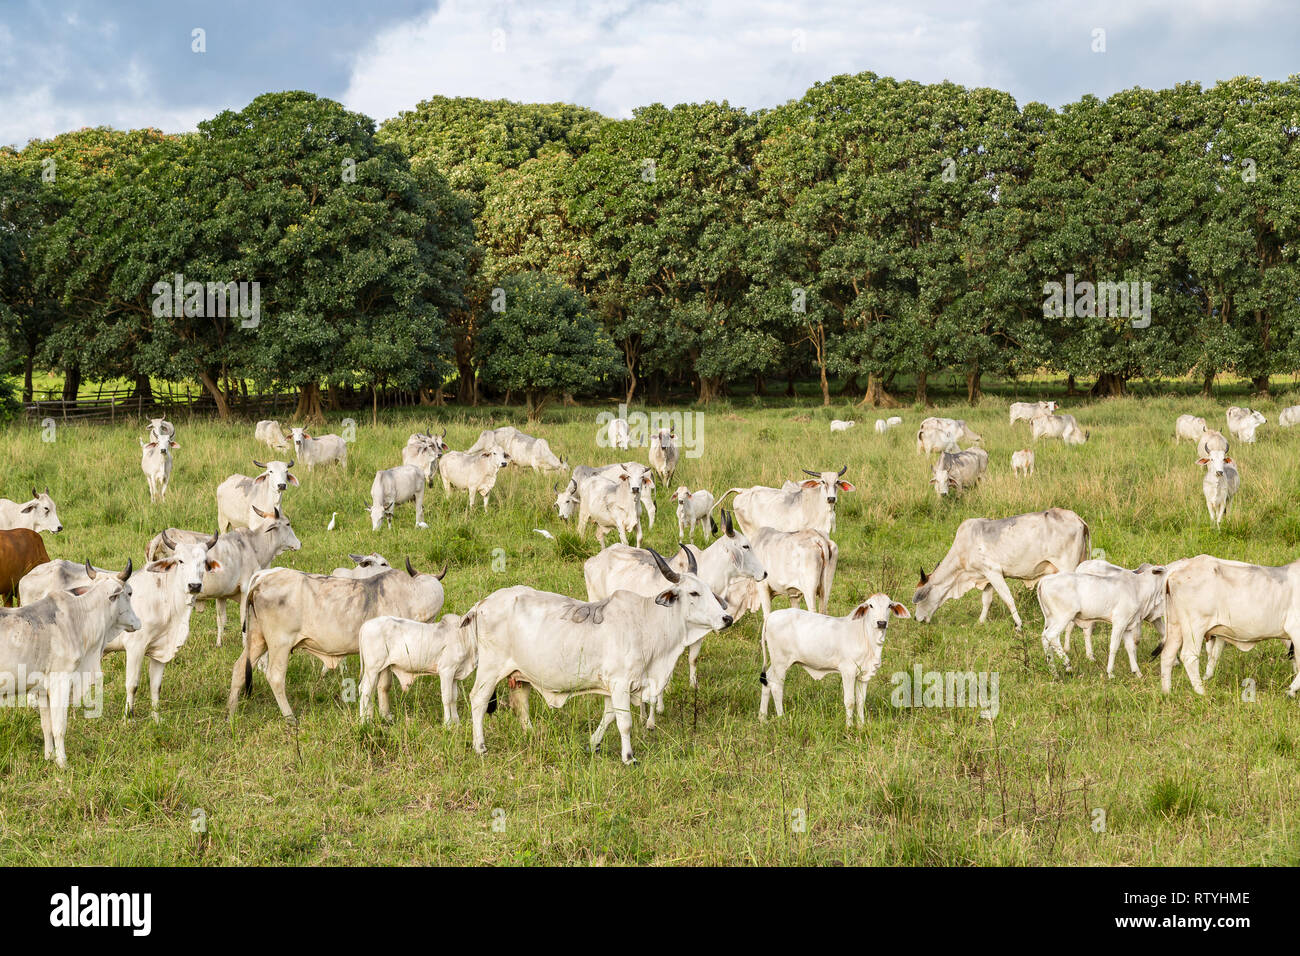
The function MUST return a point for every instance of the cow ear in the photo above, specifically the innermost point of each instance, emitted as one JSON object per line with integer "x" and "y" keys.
{"x": 846, "y": 486}
{"x": 27, "y": 509}
{"x": 261, "y": 477}
{"x": 174, "y": 444}
{"x": 292, "y": 480}
{"x": 166, "y": 564}
{"x": 1202, "y": 461}
{"x": 1227, "y": 460}
{"x": 859, "y": 611}
{"x": 667, "y": 598}
{"x": 78, "y": 591}
{"x": 809, "y": 483}
{"x": 212, "y": 565}
{"x": 899, "y": 610}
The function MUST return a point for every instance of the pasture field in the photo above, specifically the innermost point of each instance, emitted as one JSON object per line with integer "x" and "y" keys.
{"x": 1179, "y": 779}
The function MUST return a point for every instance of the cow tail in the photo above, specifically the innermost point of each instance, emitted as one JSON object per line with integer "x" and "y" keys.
{"x": 1087, "y": 542}
{"x": 762, "y": 641}
{"x": 471, "y": 619}
{"x": 729, "y": 491}
{"x": 828, "y": 572}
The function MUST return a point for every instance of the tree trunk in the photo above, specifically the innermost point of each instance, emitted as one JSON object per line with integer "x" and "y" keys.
{"x": 569, "y": 400}
{"x": 876, "y": 394}
{"x": 535, "y": 401}
{"x": 1070, "y": 388}
{"x": 71, "y": 383}
{"x": 973, "y": 392}
{"x": 309, "y": 408}
{"x": 27, "y": 373}
{"x": 374, "y": 404}
{"x": 922, "y": 391}
{"x": 1259, "y": 385}
{"x": 789, "y": 382}
{"x": 1207, "y": 385}
{"x": 1108, "y": 385}
{"x": 210, "y": 383}
{"x": 826, "y": 386}
{"x": 143, "y": 389}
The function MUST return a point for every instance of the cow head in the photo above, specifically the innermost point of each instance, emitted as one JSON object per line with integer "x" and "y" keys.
{"x": 42, "y": 513}
{"x": 378, "y": 512}
{"x": 275, "y": 524}
{"x": 190, "y": 561}
{"x": 930, "y": 593}
{"x": 874, "y": 613}
{"x": 370, "y": 561}
{"x": 566, "y": 501}
{"x": 682, "y": 496}
{"x": 830, "y": 482}
{"x": 944, "y": 480}
{"x": 738, "y": 548}
{"x": 275, "y": 474}
{"x": 1215, "y": 461}
{"x": 116, "y": 589}
{"x": 702, "y": 609}
{"x": 497, "y": 456}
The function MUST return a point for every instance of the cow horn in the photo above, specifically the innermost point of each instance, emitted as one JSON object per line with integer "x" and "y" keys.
{"x": 127, "y": 573}
{"x": 443, "y": 573}
{"x": 47, "y": 487}
{"x": 258, "y": 463}
{"x": 726, "y": 521}
{"x": 815, "y": 474}
{"x": 259, "y": 512}
{"x": 924, "y": 577}
{"x": 664, "y": 569}
{"x": 841, "y": 472}
{"x": 410, "y": 570}
{"x": 691, "y": 564}
{"x": 90, "y": 572}
{"x": 215, "y": 535}
{"x": 167, "y": 542}
{"x": 290, "y": 465}
{"x": 35, "y": 493}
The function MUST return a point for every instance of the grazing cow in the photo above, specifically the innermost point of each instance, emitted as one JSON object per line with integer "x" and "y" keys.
{"x": 1064, "y": 427}
{"x": 810, "y": 505}
{"x": 885, "y": 424}
{"x": 285, "y": 610}
{"x": 1190, "y": 427}
{"x": 395, "y": 486}
{"x": 1105, "y": 568}
{"x": 366, "y": 565}
{"x": 693, "y": 509}
{"x": 987, "y": 551}
{"x": 728, "y": 560}
{"x": 423, "y": 450}
{"x": 1022, "y": 462}
{"x": 238, "y": 495}
{"x": 520, "y": 449}
{"x": 1210, "y": 442}
{"x": 622, "y": 648}
{"x": 1028, "y": 411}
{"x": 617, "y": 434}
{"x": 1242, "y": 423}
{"x": 160, "y": 428}
{"x": 163, "y": 597}
{"x": 272, "y": 435}
{"x": 156, "y": 463}
{"x": 52, "y": 648}
{"x": 1289, "y": 416}
{"x": 20, "y": 550}
{"x": 800, "y": 565}
{"x": 1220, "y": 484}
{"x": 325, "y": 450}
{"x": 1122, "y": 598}
{"x": 238, "y": 555}
{"x": 963, "y": 432}
{"x": 937, "y": 434}
{"x": 1209, "y": 598}
{"x": 472, "y": 471}
{"x": 640, "y": 474}
{"x": 957, "y": 472}
{"x": 663, "y": 454}
{"x": 612, "y": 504}
{"x": 850, "y": 646}
{"x": 396, "y": 645}
{"x": 838, "y": 425}
{"x": 39, "y": 514}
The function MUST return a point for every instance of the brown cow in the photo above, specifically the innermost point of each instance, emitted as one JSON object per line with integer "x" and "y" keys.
{"x": 20, "y": 551}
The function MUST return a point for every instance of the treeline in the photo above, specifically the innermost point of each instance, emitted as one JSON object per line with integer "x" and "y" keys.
{"x": 871, "y": 233}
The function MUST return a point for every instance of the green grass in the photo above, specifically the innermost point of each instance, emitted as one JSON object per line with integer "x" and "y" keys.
{"x": 1182, "y": 779}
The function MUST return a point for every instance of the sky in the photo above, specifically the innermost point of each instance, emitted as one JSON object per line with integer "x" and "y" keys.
{"x": 65, "y": 64}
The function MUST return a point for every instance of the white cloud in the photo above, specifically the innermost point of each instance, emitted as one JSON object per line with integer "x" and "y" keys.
{"x": 36, "y": 114}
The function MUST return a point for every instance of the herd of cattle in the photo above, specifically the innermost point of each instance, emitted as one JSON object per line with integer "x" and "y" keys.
{"x": 642, "y": 611}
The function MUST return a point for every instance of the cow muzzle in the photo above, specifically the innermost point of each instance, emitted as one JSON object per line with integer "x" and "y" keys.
{"x": 195, "y": 587}
{"x": 727, "y": 620}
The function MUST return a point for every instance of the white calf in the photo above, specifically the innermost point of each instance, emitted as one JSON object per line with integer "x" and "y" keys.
{"x": 1220, "y": 483}
{"x": 397, "y": 645}
{"x": 1022, "y": 462}
{"x": 693, "y": 508}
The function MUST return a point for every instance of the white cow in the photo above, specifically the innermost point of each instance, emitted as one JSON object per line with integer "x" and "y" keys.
{"x": 365, "y": 565}
{"x": 237, "y": 556}
{"x": 811, "y": 505}
{"x": 39, "y": 514}
{"x": 52, "y": 648}
{"x": 1096, "y": 566}
{"x": 987, "y": 551}
{"x": 325, "y": 450}
{"x": 959, "y": 471}
{"x": 423, "y": 450}
{"x": 640, "y": 474}
{"x": 885, "y": 424}
{"x": 1210, "y": 442}
{"x": 939, "y": 435}
{"x": 472, "y": 471}
{"x": 1064, "y": 427}
{"x": 269, "y": 432}
{"x": 1122, "y": 598}
{"x": 1190, "y": 427}
{"x": 663, "y": 454}
{"x": 163, "y": 597}
{"x": 396, "y": 645}
{"x": 800, "y": 566}
{"x": 239, "y": 495}
{"x": 617, "y": 433}
{"x": 520, "y": 448}
{"x": 160, "y": 428}
{"x": 623, "y": 648}
{"x": 1289, "y": 416}
{"x": 1220, "y": 484}
{"x": 612, "y": 504}
{"x": 693, "y": 509}
{"x": 839, "y": 425}
{"x": 395, "y": 486}
{"x": 850, "y": 646}
{"x": 286, "y": 610}
{"x": 156, "y": 463}
{"x": 1022, "y": 462}
{"x": 1028, "y": 411}
{"x": 1242, "y": 423}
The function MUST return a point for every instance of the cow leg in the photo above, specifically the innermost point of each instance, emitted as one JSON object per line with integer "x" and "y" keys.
{"x": 1295, "y": 683}
{"x": 485, "y": 685}
{"x": 621, "y": 701}
{"x": 43, "y": 704}
{"x": 1131, "y": 644}
{"x": 156, "y": 670}
{"x": 221, "y": 619}
{"x": 1213, "y": 648}
{"x": 860, "y": 700}
{"x": 606, "y": 719}
{"x": 60, "y": 692}
{"x": 419, "y": 509}
{"x": 1169, "y": 654}
{"x": 849, "y": 689}
{"x": 638, "y": 534}
{"x": 134, "y": 661}
{"x": 277, "y": 670}
{"x": 622, "y": 537}
{"x": 986, "y": 602}
{"x": 692, "y": 656}
{"x": 1190, "y": 654}
{"x": 384, "y": 684}
{"x": 450, "y": 691}
{"x": 485, "y": 500}
{"x": 1052, "y": 645}
{"x": 1118, "y": 630}
{"x": 999, "y": 585}
{"x": 519, "y": 704}
{"x": 366, "y": 692}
